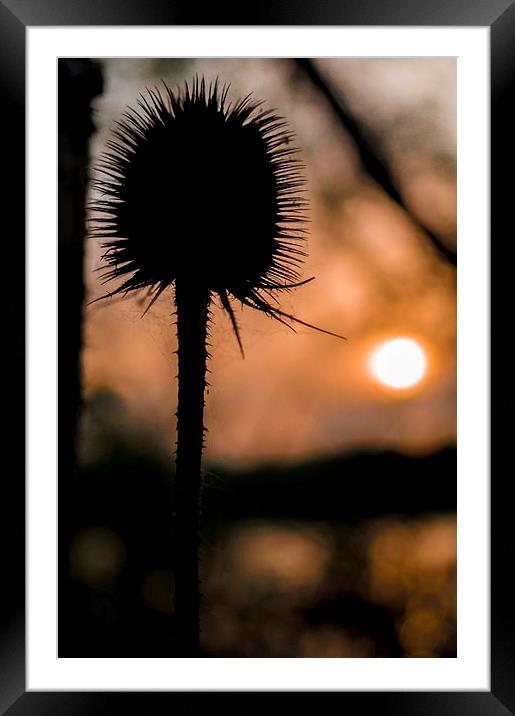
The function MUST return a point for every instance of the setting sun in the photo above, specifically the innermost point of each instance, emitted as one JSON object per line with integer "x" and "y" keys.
{"x": 398, "y": 363}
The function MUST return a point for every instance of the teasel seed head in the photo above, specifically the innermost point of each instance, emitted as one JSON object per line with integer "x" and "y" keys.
{"x": 197, "y": 189}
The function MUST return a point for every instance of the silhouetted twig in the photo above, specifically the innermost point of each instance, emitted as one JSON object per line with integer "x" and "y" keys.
{"x": 369, "y": 156}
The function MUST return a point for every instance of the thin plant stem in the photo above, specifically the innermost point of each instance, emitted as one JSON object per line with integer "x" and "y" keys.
{"x": 192, "y": 305}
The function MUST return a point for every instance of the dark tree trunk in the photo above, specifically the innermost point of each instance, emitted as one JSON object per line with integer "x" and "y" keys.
{"x": 79, "y": 81}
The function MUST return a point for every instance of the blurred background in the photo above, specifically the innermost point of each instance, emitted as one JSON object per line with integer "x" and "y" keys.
{"x": 328, "y": 522}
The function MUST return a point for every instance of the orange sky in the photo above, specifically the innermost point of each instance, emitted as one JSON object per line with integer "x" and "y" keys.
{"x": 298, "y": 395}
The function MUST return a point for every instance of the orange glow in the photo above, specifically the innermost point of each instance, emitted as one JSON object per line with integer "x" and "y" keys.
{"x": 285, "y": 557}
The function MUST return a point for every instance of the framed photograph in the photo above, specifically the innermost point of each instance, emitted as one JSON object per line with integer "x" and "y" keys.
{"x": 258, "y": 357}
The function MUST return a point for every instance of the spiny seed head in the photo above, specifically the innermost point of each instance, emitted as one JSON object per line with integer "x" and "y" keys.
{"x": 195, "y": 189}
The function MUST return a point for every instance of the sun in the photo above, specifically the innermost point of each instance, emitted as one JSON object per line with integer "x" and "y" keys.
{"x": 398, "y": 363}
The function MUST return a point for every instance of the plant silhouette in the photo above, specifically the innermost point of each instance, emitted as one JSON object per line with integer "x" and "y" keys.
{"x": 207, "y": 196}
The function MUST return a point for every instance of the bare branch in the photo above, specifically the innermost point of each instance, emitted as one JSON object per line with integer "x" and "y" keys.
{"x": 370, "y": 157}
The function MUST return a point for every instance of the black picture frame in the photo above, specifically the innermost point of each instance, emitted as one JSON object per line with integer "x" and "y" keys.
{"x": 499, "y": 16}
